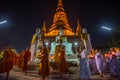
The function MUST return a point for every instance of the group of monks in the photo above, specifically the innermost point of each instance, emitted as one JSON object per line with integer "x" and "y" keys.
{"x": 10, "y": 59}
{"x": 24, "y": 58}
{"x": 60, "y": 63}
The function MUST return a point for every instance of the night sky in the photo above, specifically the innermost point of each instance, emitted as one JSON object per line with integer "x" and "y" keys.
{"x": 24, "y": 17}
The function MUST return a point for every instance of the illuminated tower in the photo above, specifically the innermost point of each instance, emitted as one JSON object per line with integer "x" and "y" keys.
{"x": 44, "y": 28}
{"x": 60, "y": 20}
{"x": 79, "y": 28}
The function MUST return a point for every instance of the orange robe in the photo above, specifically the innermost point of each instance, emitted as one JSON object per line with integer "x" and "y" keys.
{"x": 16, "y": 63}
{"x": 63, "y": 63}
{"x": 58, "y": 48}
{"x": 15, "y": 57}
{"x": 25, "y": 59}
{"x": 44, "y": 66}
{"x": 20, "y": 61}
{"x": 7, "y": 62}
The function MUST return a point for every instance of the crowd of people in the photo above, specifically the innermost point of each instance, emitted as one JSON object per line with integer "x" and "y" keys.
{"x": 20, "y": 61}
{"x": 10, "y": 59}
{"x": 94, "y": 62}
{"x": 99, "y": 62}
{"x": 91, "y": 60}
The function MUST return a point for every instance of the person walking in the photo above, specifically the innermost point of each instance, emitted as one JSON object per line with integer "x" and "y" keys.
{"x": 84, "y": 65}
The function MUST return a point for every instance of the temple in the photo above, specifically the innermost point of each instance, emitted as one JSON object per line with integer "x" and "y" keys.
{"x": 60, "y": 27}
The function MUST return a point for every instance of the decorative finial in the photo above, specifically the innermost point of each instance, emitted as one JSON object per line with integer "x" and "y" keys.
{"x": 60, "y": 5}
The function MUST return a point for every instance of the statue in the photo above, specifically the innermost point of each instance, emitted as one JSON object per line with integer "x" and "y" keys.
{"x": 36, "y": 43}
{"x": 85, "y": 37}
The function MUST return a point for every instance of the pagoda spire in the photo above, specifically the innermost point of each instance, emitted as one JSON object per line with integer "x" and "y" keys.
{"x": 44, "y": 28}
{"x": 79, "y": 28}
{"x": 60, "y": 20}
{"x": 60, "y": 6}
{"x": 60, "y": 17}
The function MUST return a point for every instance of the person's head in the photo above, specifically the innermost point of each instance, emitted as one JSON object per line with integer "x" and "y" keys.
{"x": 111, "y": 49}
{"x": 116, "y": 49}
{"x": 27, "y": 49}
{"x": 79, "y": 49}
{"x": 108, "y": 52}
{"x": 83, "y": 49}
{"x": 93, "y": 51}
{"x": 10, "y": 47}
{"x": 38, "y": 30}
{"x": 97, "y": 50}
{"x": 84, "y": 30}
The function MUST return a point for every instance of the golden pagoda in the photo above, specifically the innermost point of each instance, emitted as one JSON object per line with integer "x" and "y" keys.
{"x": 60, "y": 20}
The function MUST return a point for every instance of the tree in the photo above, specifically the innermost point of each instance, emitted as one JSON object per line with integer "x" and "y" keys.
{"x": 115, "y": 41}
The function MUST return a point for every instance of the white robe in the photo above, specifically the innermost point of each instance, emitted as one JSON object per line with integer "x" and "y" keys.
{"x": 84, "y": 66}
{"x": 99, "y": 61}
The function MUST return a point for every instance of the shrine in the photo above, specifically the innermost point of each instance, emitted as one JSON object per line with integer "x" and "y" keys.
{"x": 60, "y": 28}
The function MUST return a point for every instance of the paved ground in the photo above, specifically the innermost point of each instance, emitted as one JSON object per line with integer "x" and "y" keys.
{"x": 33, "y": 75}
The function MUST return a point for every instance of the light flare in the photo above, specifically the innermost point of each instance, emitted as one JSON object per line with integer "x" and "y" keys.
{"x": 106, "y": 28}
{"x": 2, "y": 22}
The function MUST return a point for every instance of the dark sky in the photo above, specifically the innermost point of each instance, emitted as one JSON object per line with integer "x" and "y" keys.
{"x": 25, "y": 16}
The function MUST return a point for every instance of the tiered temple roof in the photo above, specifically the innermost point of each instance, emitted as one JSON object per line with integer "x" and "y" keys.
{"x": 60, "y": 20}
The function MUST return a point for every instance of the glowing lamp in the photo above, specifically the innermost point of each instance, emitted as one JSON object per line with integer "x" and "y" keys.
{"x": 46, "y": 44}
{"x": 75, "y": 43}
